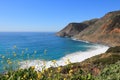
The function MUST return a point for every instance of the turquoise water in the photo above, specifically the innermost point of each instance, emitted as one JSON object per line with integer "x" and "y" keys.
{"x": 37, "y": 45}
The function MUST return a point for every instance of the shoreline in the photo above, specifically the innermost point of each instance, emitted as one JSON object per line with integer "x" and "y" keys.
{"x": 73, "y": 58}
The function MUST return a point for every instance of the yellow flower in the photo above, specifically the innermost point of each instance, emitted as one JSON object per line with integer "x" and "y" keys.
{"x": 39, "y": 75}
{"x": 30, "y": 79}
{"x": 59, "y": 69}
{"x": 46, "y": 69}
{"x": 49, "y": 75}
{"x": 64, "y": 79}
{"x": 70, "y": 71}
{"x": 68, "y": 61}
{"x": 33, "y": 67}
{"x": 54, "y": 61}
{"x": 7, "y": 76}
{"x": 43, "y": 71}
{"x": 24, "y": 76}
{"x": 51, "y": 70}
{"x": 9, "y": 62}
{"x": 70, "y": 74}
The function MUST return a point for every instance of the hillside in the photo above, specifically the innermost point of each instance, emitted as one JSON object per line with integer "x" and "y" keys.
{"x": 105, "y": 30}
{"x": 75, "y": 28}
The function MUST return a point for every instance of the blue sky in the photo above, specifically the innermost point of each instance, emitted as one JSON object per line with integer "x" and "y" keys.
{"x": 50, "y": 15}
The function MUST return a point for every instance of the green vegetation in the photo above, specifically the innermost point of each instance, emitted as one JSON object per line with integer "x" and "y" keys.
{"x": 110, "y": 72}
{"x": 114, "y": 49}
{"x": 101, "y": 67}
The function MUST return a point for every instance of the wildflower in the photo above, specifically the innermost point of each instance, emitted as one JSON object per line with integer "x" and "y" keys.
{"x": 32, "y": 67}
{"x": 49, "y": 75}
{"x": 64, "y": 79}
{"x": 51, "y": 70}
{"x": 43, "y": 71}
{"x": 9, "y": 62}
{"x": 68, "y": 61}
{"x": 24, "y": 76}
{"x": 30, "y": 78}
{"x": 54, "y": 61}
{"x": 46, "y": 69}
{"x": 59, "y": 69}
{"x": 39, "y": 75}
{"x": 70, "y": 71}
{"x": 6, "y": 76}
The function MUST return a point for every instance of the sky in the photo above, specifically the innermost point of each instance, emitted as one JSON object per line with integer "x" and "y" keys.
{"x": 50, "y": 15}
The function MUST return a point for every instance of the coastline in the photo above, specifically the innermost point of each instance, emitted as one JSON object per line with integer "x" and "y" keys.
{"x": 73, "y": 58}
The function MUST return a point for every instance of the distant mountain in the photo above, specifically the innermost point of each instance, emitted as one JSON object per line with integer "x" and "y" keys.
{"x": 105, "y": 30}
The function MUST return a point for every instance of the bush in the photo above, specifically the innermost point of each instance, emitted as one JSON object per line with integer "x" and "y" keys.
{"x": 111, "y": 72}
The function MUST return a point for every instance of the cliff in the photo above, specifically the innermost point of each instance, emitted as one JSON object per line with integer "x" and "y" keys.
{"x": 75, "y": 28}
{"x": 105, "y": 30}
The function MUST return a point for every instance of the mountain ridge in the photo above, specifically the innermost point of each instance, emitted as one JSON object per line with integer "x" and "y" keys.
{"x": 105, "y": 30}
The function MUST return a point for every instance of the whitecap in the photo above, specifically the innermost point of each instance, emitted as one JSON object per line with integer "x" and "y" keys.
{"x": 73, "y": 58}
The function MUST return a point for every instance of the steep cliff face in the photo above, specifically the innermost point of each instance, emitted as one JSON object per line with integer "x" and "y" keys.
{"x": 106, "y": 30}
{"x": 73, "y": 29}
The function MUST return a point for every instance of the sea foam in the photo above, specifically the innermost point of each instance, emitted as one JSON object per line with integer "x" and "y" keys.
{"x": 73, "y": 57}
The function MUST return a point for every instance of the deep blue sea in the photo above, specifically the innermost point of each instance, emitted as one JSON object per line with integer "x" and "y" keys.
{"x": 37, "y": 45}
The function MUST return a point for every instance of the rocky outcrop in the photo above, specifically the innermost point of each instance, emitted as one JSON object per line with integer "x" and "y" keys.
{"x": 115, "y": 49}
{"x": 73, "y": 29}
{"x": 105, "y": 30}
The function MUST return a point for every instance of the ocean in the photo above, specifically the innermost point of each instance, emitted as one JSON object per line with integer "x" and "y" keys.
{"x": 32, "y": 48}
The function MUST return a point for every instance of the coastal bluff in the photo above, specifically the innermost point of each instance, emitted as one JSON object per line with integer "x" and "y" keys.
{"x": 73, "y": 29}
{"x": 105, "y": 30}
